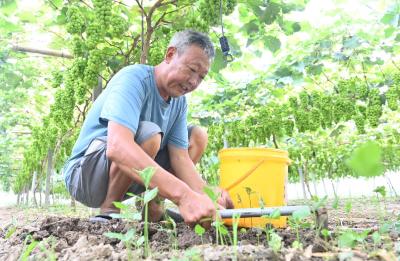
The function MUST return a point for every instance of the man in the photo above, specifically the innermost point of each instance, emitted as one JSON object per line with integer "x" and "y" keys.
{"x": 140, "y": 121}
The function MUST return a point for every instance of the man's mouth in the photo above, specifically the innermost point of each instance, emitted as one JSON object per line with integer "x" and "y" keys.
{"x": 184, "y": 88}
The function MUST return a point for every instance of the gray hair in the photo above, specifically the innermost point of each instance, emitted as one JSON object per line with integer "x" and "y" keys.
{"x": 183, "y": 39}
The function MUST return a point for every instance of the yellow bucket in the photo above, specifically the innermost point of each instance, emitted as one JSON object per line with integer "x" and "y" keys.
{"x": 255, "y": 177}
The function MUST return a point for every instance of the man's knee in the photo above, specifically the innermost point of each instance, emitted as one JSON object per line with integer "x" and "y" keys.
{"x": 198, "y": 137}
{"x": 149, "y": 137}
{"x": 152, "y": 145}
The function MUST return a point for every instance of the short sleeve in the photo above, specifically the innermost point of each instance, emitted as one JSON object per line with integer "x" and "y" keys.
{"x": 179, "y": 132}
{"x": 125, "y": 101}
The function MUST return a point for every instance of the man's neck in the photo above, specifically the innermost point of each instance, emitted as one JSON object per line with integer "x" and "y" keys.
{"x": 159, "y": 71}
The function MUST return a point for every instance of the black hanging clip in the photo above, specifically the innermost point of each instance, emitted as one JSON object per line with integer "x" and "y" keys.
{"x": 225, "y": 49}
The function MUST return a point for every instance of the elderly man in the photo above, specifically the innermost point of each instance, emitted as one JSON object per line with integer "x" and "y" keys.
{"x": 140, "y": 121}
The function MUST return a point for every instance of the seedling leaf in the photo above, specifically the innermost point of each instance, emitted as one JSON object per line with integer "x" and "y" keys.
{"x": 149, "y": 195}
{"x": 199, "y": 230}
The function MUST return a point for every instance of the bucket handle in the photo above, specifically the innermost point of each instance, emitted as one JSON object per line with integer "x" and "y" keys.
{"x": 248, "y": 173}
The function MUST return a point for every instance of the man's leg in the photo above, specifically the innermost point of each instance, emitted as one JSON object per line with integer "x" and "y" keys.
{"x": 198, "y": 140}
{"x": 119, "y": 182}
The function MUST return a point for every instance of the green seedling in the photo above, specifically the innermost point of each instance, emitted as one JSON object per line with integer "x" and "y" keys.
{"x": 149, "y": 195}
{"x": 127, "y": 213}
{"x": 380, "y": 190}
{"x": 50, "y": 253}
{"x": 129, "y": 239}
{"x": 220, "y": 230}
{"x": 318, "y": 203}
{"x": 28, "y": 248}
{"x": 249, "y": 192}
{"x": 191, "y": 254}
{"x": 325, "y": 234}
{"x": 235, "y": 223}
{"x": 173, "y": 232}
{"x": 350, "y": 238}
{"x": 199, "y": 230}
{"x": 348, "y": 207}
{"x": 10, "y": 231}
{"x": 381, "y": 196}
{"x": 275, "y": 242}
{"x": 335, "y": 203}
{"x": 297, "y": 221}
{"x": 376, "y": 238}
{"x": 276, "y": 214}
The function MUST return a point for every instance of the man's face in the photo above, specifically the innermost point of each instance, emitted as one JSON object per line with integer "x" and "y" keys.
{"x": 186, "y": 71}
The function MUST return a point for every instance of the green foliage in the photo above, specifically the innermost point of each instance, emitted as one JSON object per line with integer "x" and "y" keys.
{"x": 366, "y": 160}
{"x": 350, "y": 238}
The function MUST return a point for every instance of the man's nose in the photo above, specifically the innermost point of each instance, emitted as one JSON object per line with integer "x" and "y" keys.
{"x": 194, "y": 81}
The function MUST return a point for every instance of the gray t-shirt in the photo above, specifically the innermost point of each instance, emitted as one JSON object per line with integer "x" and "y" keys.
{"x": 132, "y": 96}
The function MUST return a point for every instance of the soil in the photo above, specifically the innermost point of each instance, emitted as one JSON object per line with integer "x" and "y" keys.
{"x": 76, "y": 238}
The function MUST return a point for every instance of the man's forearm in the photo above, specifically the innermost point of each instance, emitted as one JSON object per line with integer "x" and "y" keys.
{"x": 185, "y": 170}
{"x": 131, "y": 157}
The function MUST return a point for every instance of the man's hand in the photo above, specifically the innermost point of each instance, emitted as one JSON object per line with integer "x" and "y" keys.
{"x": 224, "y": 199}
{"x": 195, "y": 207}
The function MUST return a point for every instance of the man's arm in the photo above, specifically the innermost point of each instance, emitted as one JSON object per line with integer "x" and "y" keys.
{"x": 185, "y": 170}
{"x": 123, "y": 151}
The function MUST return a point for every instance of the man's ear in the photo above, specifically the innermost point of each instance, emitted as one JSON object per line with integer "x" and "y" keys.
{"x": 171, "y": 51}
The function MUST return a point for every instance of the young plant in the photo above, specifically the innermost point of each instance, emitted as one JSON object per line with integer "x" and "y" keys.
{"x": 28, "y": 248}
{"x": 220, "y": 230}
{"x": 47, "y": 247}
{"x": 381, "y": 192}
{"x": 128, "y": 238}
{"x": 350, "y": 238}
{"x": 199, "y": 230}
{"x": 275, "y": 241}
{"x": 149, "y": 195}
{"x": 276, "y": 214}
{"x": 296, "y": 221}
{"x": 173, "y": 232}
{"x": 235, "y": 223}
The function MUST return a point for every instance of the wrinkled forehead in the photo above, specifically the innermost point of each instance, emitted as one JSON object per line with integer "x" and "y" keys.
{"x": 196, "y": 56}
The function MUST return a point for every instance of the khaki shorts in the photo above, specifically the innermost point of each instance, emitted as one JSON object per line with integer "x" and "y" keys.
{"x": 87, "y": 177}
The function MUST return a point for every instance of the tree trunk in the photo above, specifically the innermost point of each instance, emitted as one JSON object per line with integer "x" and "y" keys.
{"x": 300, "y": 170}
{"x": 27, "y": 195}
{"x": 18, "y": 198}
{"x": 391, "y": 185}
{"x": 333, "y": 188}
{"x": 98, "y": 89}
{"x": 314, "y": 185}
{"x": 34, "y": 188}
{"x": 305, "y": 173}
{"x": 40, "y": 193}
{"x": 325, "y": 189}
{"x": 48, "y": 176}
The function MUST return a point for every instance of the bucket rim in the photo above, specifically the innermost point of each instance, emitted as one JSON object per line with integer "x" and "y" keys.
{"x": 253, "y": 149}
